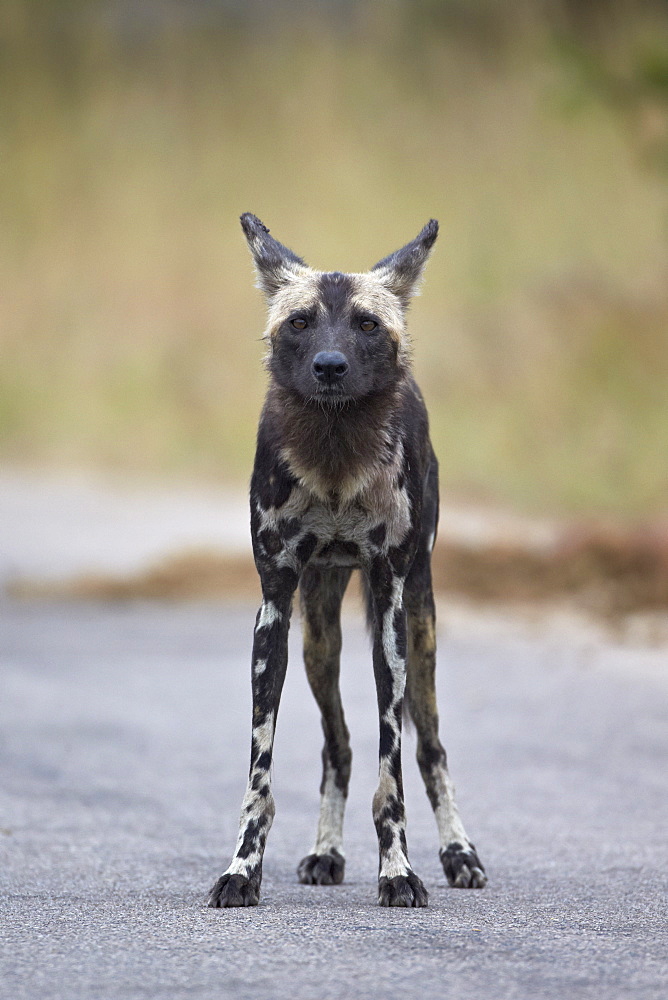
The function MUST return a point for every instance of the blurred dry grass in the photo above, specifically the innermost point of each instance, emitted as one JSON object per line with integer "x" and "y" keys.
{"x": 131, "y": 144}
{"x": 606, "y": 571}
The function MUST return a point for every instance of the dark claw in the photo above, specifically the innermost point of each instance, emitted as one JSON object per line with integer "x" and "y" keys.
{"x": 321, "y": 869}
{"x": 402, "y": 890}
{"x": 462, "y": 866}
{"x": 235, "y": 890}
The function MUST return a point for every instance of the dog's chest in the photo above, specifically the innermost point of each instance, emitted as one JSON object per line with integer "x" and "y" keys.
{"x": 337, "y": 534}
{"x": 343, "y": 537}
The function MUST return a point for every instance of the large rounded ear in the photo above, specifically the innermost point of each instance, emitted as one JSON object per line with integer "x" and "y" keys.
{"x": 274, "y": 263}
{"x": 401, "y": 271}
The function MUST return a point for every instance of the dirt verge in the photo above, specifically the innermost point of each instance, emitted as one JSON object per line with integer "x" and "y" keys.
{"x": 611, "y": 571}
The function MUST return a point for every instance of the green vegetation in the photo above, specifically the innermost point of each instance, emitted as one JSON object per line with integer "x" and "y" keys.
{"x": 129, "y": 325}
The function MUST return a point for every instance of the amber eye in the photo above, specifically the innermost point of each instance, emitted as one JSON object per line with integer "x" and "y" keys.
{"x": 368, "y": 325}
{"x": 299, "y": 323}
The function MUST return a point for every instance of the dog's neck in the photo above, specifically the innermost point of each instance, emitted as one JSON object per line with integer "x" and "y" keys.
{"x": 336, "y": 452}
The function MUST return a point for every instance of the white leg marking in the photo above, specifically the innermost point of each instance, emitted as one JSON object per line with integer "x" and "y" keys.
{"x": 396, "y": 664}
{"x": 269, "y": 613}
{"x": 450, "y": 826}
{"x": 393, "y": 861}
{"x": 330, "y": 823}
{"x": 254, "y": 806}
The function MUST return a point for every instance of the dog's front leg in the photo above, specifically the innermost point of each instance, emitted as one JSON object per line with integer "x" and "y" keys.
{"x": 398, "y": 885}
{"x": 239, "y": 885}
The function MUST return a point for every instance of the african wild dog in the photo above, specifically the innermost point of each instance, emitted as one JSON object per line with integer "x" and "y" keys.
{"x": 345, "y": 477}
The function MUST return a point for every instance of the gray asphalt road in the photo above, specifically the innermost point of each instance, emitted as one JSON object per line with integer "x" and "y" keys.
{"x": 123, "y": 756}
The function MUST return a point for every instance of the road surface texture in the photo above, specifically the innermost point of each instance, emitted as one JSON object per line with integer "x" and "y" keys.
{"x": 123, "y": 759}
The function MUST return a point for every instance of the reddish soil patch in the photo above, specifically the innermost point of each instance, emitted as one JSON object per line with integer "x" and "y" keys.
{"x": 611, "y": 571}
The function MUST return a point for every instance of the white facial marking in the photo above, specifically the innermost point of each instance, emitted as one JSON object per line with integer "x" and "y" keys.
{"x": 300, "y": 291}
{"x": 371, "y": 294}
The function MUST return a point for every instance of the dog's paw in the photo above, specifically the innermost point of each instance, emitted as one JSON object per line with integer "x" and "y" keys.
{"x": 321, "y": 869}
{"x": 234, "y": 890}
{"x": 462, "y": 866}
{"x": 402, "y": 890}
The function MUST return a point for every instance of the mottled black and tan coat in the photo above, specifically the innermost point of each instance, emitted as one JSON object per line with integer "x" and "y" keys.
{"x": 345, "y": 478}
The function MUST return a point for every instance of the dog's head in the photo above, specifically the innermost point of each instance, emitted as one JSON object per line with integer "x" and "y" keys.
{"x": 336, "y": 338}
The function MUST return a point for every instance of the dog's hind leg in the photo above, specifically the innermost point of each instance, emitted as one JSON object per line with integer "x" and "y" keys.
{"x": 460, "y": 861}
{"x": 321, "y": 595}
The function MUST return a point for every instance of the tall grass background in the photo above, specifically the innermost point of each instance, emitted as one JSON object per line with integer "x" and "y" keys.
{"x": 133, "y": 135}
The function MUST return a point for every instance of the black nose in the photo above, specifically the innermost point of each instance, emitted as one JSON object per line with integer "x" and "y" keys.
{"x": 329, "y": 366}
